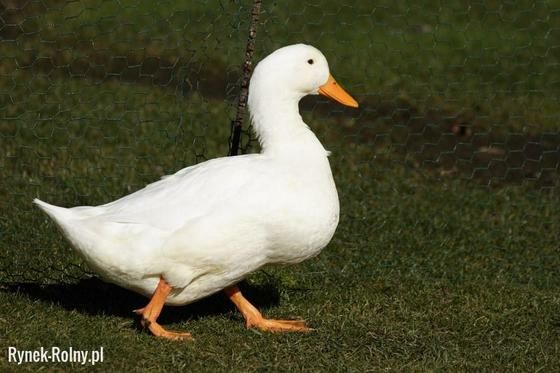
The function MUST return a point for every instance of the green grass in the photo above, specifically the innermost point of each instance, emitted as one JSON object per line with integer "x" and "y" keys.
{"x": 497, "y": 62}
{"x": 428, "y": 270}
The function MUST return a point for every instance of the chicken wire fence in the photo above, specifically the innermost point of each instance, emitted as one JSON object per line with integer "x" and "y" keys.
{"x": 98, "y": 98}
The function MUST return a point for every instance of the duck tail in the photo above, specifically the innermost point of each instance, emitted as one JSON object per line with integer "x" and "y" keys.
{"x": 73, "y": 224}
{"x": 67, "y": 221}
{"x": 58, "y": 214}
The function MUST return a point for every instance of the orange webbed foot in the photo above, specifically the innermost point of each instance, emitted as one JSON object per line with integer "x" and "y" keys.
{"x": 159, "y": 331}
{"x": 254, "y": 319}
{"x": 277, "y": 326}
{"x": 151, "y": 312}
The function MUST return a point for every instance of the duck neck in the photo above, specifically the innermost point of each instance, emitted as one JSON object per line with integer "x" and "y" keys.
{"x": 280, "y": 129}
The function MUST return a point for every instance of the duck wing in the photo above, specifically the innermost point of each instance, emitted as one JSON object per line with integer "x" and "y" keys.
{"x": 192, "y": 192}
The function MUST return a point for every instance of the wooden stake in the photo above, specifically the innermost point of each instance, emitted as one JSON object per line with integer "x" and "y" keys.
{"x": 247, "y": 70}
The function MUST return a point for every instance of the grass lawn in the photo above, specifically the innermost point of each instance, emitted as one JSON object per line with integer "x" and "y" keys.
{"x": 447, "y": 255}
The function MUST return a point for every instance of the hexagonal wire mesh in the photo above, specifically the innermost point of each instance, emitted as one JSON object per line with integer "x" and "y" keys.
{"x": 98, "y": 98}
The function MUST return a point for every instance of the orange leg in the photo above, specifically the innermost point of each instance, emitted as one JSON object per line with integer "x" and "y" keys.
{"x": 254, "y": 319}
{"x": 151, "y": 312}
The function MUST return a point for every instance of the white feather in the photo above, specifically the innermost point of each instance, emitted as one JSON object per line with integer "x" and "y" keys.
{"x": 210, "y": 225}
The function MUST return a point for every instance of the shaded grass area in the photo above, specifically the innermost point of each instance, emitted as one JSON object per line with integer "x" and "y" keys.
{"x": 465, "y": 53}
{"x": 469, "y": 49}
{"x": 427, "y": 270}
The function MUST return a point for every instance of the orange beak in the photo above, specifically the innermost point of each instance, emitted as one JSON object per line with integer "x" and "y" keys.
{"x": 333, "y": 90}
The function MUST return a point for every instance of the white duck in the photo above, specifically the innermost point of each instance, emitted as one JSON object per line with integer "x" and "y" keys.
{"x": 208, "y": 226}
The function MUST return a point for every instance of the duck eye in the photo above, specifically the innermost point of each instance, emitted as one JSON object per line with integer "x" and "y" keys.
{"x": 310, "y": 61}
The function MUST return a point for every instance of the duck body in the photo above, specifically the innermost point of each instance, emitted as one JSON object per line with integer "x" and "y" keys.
{"x": 210, "y": 225}
{"x": 206, "y": 227}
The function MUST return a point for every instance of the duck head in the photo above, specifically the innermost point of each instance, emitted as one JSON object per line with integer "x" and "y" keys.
{"x": 295, "y": 71}
{"x": 278, "y": 83}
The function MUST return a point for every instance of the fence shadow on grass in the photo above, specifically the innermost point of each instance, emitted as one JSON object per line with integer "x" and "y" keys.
{"x": 92, "y": 296}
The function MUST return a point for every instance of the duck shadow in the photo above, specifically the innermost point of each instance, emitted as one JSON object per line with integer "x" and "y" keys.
{"x": 93, "y": 296}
